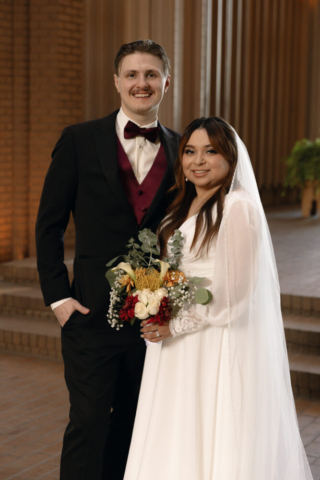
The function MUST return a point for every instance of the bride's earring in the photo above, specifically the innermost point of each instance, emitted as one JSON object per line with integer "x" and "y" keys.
{"x": 186, "y": 179}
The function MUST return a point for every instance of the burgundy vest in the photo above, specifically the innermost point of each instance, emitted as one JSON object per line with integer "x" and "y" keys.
{"x": 140, "y": 196}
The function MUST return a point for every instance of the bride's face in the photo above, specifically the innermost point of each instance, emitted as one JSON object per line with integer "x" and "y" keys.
{"x": 202, "y": 165}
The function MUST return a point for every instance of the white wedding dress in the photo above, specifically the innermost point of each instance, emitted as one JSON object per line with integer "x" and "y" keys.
{"x": 216, "y": 401}
{"x": 184, "y": 428}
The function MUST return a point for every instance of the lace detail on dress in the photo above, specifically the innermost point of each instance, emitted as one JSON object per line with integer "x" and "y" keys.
{"x": 187, "y": 321}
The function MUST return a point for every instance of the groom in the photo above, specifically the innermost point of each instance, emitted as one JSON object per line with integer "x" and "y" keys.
{"x": 112, "y": 174}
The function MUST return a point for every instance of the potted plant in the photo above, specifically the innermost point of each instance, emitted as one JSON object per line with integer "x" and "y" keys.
{"x": 303, "y": 171}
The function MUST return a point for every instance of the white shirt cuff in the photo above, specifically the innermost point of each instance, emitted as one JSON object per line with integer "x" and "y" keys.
{"x": 60, "y": 302}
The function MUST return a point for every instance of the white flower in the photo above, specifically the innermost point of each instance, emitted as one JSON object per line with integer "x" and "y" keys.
{"x": 137, "y": 292}
{"x": 161, "y": 292}
{"x": 147, "y": 291}
{"x": 153, "y": 307}
{"x": 145, "y": 296}
{"x": 127, "y": 268}
{"x": 164, "y": 268}
{"x": 140, "y": 311}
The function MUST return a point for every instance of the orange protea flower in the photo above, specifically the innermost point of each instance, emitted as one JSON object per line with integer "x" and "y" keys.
{"x": 171, "y": 278}
{"x": 127, "y": 280}
{"x": 147, "y": 278}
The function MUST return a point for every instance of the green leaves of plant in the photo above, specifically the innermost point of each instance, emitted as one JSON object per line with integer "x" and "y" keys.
{"x": 196, "y": 280}
{"x": 111, "y": 277}
{"x": 203, "y": 296}
{"x": 113, "y": 261}
{"x": 303, "y": 164}
{"x": 174, "y": 249}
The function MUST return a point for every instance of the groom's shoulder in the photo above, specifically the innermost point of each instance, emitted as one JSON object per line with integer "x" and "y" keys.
{"x": 170, "y": 132}
{"x": 103, "y": 124}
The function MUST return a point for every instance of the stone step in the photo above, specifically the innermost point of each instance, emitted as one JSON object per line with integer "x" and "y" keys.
{"x": 300, "y": 305}
{"x": 20, "y": 299}
{"x": 305, "y": 375}
{"x": 302, "y": 334}
{"x": 25, "y": 271}
{"x": 42, "y": 339}
{"x": 32, "y": 337}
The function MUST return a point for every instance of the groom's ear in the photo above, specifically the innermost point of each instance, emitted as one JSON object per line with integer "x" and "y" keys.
{"x": 167, "y": 84}
{"x": 116, "y": 82}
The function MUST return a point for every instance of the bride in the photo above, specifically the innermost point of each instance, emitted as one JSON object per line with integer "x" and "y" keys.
{"x": 216, "y": 400}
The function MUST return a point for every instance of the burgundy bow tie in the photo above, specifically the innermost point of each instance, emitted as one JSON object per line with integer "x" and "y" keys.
{"x": 132, "y": 130}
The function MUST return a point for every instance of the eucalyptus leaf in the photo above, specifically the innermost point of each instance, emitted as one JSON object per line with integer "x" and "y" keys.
{"x": 113, "y": 260}
{"x": 209, "y": 299}
{"x": 202, "y": 296}
{"x": 155, "y": 251}
{"x": 111, "y": 277}
{"x": 196, "y": 280}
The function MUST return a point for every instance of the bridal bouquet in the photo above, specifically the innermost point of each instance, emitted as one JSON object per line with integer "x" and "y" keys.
{"x": 144, "y": 287}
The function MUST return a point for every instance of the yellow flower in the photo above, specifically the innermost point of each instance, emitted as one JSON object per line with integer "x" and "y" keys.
{"x": 171, "y": 278}
{"x": 147, "y": 278}
{"x": 126, "y": 280}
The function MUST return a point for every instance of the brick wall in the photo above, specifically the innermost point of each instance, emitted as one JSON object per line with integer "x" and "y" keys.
{"x": 5, "y": 129}
{"x": 56, "y": 78}
{"x": 20, "y": 120}
{"x": 41, "y": 92}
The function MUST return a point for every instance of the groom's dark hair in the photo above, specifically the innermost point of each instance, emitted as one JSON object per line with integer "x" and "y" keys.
{"x": 142, "y": 46}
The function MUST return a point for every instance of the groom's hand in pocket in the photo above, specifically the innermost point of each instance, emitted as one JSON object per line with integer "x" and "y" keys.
{"x": 64, "y": 311}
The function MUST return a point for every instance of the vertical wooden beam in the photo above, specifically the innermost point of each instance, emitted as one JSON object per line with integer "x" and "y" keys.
{"x": 238, "y": 68}
{"x": 219, "y": 43}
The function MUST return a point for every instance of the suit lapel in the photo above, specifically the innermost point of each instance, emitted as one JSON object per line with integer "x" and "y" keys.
{"x": 106, "y": 141}
{"x": 170, "y": 144}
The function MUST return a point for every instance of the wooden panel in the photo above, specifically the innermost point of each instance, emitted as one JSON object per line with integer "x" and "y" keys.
{"x": 239, "y": 59}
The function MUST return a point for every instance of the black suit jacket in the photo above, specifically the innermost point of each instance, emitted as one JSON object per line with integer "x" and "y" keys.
{"x": 83, "y": 179}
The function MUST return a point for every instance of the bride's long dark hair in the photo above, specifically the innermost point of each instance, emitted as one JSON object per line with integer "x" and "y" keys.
{"x": 223, "y": 140}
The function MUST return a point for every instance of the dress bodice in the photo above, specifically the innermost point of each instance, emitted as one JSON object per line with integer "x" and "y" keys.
{"x": 192, "y": 264}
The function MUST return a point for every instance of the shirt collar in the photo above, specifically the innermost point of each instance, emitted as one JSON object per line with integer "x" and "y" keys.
{"x": 123, "y": 119}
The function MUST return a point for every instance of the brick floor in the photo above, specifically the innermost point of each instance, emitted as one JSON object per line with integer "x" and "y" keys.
{"x": 33, "y": 416}
{"x": 34, "y": 413}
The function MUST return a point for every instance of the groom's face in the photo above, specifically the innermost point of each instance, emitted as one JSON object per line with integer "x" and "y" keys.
{"x": 141, "y": 83}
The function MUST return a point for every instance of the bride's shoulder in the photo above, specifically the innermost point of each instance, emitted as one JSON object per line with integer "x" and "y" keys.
{"x": 242, "y": 207}
{"x": 241, "y": 198}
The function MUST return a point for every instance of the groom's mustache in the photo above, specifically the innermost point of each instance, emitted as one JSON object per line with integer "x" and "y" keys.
{"x": 141, "y": 91}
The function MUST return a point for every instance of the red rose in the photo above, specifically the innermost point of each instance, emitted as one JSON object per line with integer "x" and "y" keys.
{"x": 126, "y": 313}
{"x": 164, "y": 313}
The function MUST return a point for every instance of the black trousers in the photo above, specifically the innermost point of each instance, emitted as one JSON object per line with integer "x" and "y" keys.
{"x": 103, "y": 371}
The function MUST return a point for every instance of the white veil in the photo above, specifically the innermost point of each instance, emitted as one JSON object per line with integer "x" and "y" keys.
{"x": 246, "y": 297}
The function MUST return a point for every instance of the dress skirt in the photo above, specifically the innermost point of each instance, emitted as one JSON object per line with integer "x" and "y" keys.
{"x": 184, "y": 427}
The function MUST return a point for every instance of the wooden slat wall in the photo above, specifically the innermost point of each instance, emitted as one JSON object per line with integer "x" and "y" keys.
{"x": 273, "y": 68}
{"x": 253, "y": 62}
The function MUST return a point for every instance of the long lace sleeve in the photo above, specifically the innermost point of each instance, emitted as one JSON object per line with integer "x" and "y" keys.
{"x": 237, "y": 264}
{"x": 235, "y": 272}
{"x": 187, "y": 321}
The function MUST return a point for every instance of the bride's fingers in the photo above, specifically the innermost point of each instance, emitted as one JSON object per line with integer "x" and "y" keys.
{"x": 149, "y": 328}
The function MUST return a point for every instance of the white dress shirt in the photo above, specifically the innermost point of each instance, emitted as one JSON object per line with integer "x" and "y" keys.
{"x": 140, "y": 152}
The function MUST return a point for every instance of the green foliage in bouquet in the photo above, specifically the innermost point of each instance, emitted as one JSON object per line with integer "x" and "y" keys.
{"x": 303, "y": 164}
{"x": 140, "y": 255}
{"x": 174, "y": 250}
